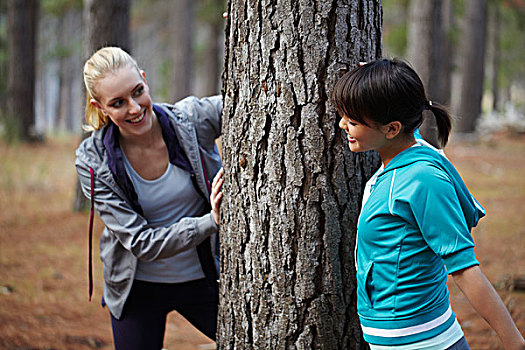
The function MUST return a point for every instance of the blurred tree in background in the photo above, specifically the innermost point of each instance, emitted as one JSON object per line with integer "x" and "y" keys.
{"x": 181, "y": 26}
{"x": 106, "y": 23}
{"x": 424, "y": 51}
{"x": 22, "y": 19}
{"x": 59, "y": 96}
{"x": 472, "y": 65}
{"x": 3, "y": 56}
{"x": 511, "y": 48}
{"x": 503, "y": 76}
{"x": 155, "y": 41}
{"x": 176, "y": 57}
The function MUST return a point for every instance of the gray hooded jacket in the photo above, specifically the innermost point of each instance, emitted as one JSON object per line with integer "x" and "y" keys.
{"x": 127, "y": 236}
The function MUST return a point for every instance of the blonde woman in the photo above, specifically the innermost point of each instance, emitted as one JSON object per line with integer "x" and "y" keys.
{"x": 147, "y": 169}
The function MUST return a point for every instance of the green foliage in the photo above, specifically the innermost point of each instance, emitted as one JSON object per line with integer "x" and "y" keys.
{"x": 395, "y": 18}
{"x": 458, "y": 8}
{"x": 512, "y": 45}
{"x": 210, "y": 11}
{"x": 60, "y": 50}
{"x": 164, "y": 72}
{"x": 9, "y": 128}
{"x": 515, "y": 9}
{"x": 396, "y": 40}
{"x": 59, "y": 7}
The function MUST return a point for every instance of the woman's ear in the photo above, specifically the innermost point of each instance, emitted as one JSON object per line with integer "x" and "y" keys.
{"x": 392, "y": 129}
{"x": 98, "y": 106}
{"x": 95, "y": 103}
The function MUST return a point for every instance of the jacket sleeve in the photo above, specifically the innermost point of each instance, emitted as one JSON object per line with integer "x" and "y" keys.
{"x": 206, "y": 115}
{"x": 132, "y": 230}
{"x": 437, "y": 212}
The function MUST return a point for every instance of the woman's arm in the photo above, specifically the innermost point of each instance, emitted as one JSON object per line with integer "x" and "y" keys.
{"x": 488, "y": 304}
{"x": 206, "y": 115}
{"x": 133, "y": 231}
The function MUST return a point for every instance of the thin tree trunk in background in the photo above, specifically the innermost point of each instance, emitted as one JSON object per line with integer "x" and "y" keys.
{"x": 22, "y": 26}
{"x": 425, "y": 38}
{"x": 472, "y": 65}
{"x": 107, "y": 24}
{"x": 47, "y": 78}
{"x": 447, "y": 53}
{"x": 292, "y": 188}
{"x": 69, "y": 70}
{"x": 212, "y": 66}
{"x": 181, "y": 25}
{"x": 495, "y": 54}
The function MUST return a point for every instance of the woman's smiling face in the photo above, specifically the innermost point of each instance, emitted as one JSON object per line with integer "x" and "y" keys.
{"x": 362, "y": 137}
{"x": 123, "y": 95}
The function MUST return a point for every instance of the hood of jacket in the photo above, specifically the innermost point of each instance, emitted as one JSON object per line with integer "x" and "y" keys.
{"x": 472, "y": 210}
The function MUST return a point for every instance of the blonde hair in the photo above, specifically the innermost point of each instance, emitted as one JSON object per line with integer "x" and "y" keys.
{"x": 104, "y": 61}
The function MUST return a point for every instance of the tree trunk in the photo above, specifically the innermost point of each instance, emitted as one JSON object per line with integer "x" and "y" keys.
{"x": 22, "y": 25}
{"x": 292, "y": 188}
{"x": 425, "y": 39}
{"x": 211, "y": 16}
{"x": 212, "y": 63}
{"x": 472, "y": 65}
{"x": 181, "y": 25}
{"x": 107, "y": 24}
{"x": 69, "y": 71}
{"x": 447, "y": 53}
{"x": 495, "y": 54}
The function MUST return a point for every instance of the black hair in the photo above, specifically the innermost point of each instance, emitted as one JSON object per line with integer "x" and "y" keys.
{"x": 384, "y": 91}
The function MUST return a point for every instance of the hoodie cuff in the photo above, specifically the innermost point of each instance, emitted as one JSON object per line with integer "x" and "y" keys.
{"x": 460, "y": 260}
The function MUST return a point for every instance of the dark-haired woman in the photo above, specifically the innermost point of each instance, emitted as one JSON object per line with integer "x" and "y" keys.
{"x": 416, "y": 219}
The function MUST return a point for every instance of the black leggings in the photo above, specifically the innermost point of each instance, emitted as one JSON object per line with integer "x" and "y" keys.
{"x": 460, "y": 345}
{"x": 143, "y": 321}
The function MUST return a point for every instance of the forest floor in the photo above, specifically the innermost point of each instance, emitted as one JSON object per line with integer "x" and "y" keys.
{"x": 43, "y": 247}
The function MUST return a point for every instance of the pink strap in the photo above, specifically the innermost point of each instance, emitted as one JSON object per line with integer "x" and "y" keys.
{"x": 91, "y": 215}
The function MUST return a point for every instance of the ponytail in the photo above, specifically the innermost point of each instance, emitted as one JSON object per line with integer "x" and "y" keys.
{"x": 93, "y": 116}
{"x": 443, "y": 121}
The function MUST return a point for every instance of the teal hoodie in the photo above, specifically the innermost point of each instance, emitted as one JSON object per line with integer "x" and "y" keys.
{"x": 413, "y": 230}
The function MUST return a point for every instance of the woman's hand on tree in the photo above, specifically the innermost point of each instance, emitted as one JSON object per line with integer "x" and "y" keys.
{"x": 216, "y": 195}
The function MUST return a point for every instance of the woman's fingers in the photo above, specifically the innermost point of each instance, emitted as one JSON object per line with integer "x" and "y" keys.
{"x": 216, "y": 195}
{"x": 217, "y": 183}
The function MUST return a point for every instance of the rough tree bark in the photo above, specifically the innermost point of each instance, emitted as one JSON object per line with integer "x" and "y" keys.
{"x": 107, "y": 24}
{"x": 292, "y": 188}
{"x": 22, "y": 24}
{"x": 472, "y": 65}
